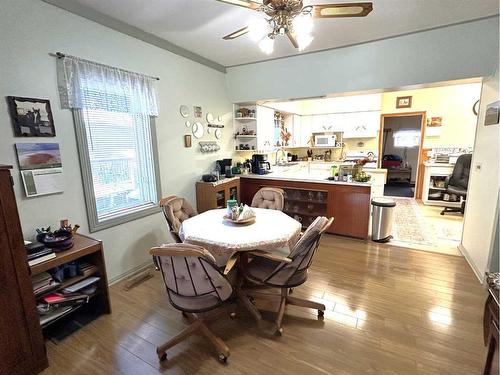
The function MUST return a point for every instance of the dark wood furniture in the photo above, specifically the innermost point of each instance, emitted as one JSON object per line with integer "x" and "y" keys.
{"x": 348, "y": 204}
{"x": 85, "y": 249}
{"x": 212, "y": 195}
{"x": 491, "y": 332}
{"x": 22, "y": 350}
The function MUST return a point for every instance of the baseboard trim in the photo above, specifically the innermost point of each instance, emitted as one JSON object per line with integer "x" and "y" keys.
{"x": 467, "y": 257}
{"x": 130, "y": 273}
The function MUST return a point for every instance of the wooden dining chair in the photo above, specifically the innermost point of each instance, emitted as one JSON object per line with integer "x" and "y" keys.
{"x": 270, "y": 198}
{"x": 277, "y": 271}
{"x": 176, "y": 210}
{"x": 194, "y": 286}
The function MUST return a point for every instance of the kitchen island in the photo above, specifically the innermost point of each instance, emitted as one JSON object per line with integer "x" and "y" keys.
{"x": 310, "y": 195}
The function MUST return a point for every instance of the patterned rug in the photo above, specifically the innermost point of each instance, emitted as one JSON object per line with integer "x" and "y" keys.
{"x": 409, "y": 224}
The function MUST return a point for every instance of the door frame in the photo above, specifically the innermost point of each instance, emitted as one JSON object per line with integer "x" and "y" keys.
{"x": 423, "y": 114}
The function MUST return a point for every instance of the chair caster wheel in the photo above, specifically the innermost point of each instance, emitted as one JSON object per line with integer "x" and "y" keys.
{"x": 279, "y": 332}
{"x": 321, "y": 314}
{"x": 441, "y": 213}
{"x": 222, "y": 358}
{"x": 232, "y": 315}
{"x": 163, "y": 357}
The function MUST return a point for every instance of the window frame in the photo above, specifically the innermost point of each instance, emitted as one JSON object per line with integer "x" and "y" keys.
{"x": 88, "y": 185}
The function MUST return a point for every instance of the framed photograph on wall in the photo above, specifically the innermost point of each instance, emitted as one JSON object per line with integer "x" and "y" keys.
{"x": 197, "y": 112}
{"x": 31, "y": 117}
{"x": 492, "y": 115}
{"x": 403, "y": 102}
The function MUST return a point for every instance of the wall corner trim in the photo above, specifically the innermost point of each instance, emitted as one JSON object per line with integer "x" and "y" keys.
{"x": 124, "y": 28}
{"x": 467, "y": 257}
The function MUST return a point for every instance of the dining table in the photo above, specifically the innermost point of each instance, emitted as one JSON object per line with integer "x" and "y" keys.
{"x": 272, "y": 231}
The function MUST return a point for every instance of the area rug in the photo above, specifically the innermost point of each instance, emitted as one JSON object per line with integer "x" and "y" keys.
{"x": 409, "y": 224}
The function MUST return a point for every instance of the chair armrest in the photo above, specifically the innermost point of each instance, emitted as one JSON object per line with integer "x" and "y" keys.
{"x": 447, "y": 182}
{"x": 271, "y": 256}
{"x": 231, "y": 262}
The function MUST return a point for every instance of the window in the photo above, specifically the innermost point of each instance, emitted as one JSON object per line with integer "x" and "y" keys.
{"x": 119, "y": 158}
{"x": 406, "y": 138}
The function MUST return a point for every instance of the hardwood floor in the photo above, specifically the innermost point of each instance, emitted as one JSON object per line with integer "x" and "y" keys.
{"x": 389, "y": 311}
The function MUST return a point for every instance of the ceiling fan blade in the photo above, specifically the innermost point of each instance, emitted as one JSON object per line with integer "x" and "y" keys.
{"x": 342, "y": 10}
{"x": 291, "y": 36}
{"x": 243, "y": 3}
{"x": 236, "y": 34}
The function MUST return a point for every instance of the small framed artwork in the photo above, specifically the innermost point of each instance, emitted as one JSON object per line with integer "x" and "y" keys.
{"x": 31, "y": 117}
{"x": 197, "y": 112}
{"x": 187, "y": 141}
{"x": 492, "y": 115}
{"x": 403, "y": 102}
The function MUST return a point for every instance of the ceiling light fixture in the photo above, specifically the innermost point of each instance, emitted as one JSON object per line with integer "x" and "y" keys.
{"x": 291, "y": 18}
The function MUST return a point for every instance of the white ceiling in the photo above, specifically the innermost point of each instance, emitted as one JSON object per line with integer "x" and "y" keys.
{"x": 199, "y": 25}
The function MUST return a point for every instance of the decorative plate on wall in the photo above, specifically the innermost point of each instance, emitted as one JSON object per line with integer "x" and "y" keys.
{"x": 184, "y": 110}
{"x": 218, "y": 133}
{"x": 188, "y": 124}
{"x": 210, "y": 117}
{"x": 198, "y": 130}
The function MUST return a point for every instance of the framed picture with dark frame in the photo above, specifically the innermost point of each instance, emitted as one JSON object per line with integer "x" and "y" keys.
{"x": 403, "y": 102}
{"x": 31, "y": 117}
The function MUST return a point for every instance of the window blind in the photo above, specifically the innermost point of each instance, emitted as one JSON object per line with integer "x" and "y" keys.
{"x": 121, "y": 162}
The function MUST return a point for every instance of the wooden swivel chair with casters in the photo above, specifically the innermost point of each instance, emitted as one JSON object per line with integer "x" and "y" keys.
{"x": 275, "y": 271}
{"x": 270, "y": 198}
{"x": 176, "y": 210}
{"x": 194, "y": 286}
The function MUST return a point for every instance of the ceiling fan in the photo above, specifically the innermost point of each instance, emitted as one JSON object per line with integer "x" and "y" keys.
{"x": 291, "y": 18}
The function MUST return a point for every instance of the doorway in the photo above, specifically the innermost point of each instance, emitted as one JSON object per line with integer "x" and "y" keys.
{"x": 399, "y": 149}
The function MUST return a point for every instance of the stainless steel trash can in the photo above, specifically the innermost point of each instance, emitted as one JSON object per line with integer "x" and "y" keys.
{"x": 382, "y": 212}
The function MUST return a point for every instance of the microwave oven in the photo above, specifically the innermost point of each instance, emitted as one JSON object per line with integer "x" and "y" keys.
{"x": 325, "y": 140}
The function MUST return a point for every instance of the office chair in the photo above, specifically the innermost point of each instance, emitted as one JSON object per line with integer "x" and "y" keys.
{"x": 458, "y": 182}
{"x": 270, "y": 198}
{"x": 194, "y": 286}
{"x": 276, "y": 271}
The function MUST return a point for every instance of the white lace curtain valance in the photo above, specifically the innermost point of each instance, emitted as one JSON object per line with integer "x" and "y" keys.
{"x": 84, "y": 84}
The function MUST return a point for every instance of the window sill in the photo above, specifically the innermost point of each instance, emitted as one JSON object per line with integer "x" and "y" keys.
{"x": 113, "y": 222}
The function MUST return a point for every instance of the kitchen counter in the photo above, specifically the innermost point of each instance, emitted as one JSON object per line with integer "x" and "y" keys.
{"x": 302, "y": 177}
{"x": 308, "y": 195}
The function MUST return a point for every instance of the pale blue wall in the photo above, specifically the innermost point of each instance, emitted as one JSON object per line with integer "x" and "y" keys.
{"x": 455, "y": 52}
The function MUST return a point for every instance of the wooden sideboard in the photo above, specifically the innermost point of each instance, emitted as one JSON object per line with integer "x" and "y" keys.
{"x": 22, "y": 349}
{"x": 212, "y": 195}
{"x": 348, "y": 204}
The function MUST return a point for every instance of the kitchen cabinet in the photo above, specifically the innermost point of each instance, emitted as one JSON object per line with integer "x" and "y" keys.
{"x": 305, "y": 131}
{"x": 295, "y": 130}
{"x": 265, "y": 129}
{"x": 212, "y": 195}
{"x": 349, "y": 204}
{"x": 361, "y": 124}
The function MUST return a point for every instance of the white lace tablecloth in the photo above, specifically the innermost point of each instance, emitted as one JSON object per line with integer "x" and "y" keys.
{"x": 272, "y": 231}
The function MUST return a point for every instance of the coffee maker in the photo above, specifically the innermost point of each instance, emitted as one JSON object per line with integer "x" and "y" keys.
{"x": 260, "y": 165}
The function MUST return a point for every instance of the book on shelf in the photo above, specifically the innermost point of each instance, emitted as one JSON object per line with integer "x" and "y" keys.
{"x": 54, "y": 314}
{"x": 43, "y": 282}
{"x": 60, "y": 299}
{"x": 81, "y": 285}
{"x": 38, "y": 253}
{"x": 41, "y": 259}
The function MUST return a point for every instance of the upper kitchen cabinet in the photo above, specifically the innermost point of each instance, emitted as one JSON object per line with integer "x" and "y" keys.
{"x": 265, "y": 129}
{"x": 361, "y": 124}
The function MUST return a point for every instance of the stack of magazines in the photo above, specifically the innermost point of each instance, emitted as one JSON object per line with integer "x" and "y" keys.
{"x": 43, "y": 282}
{"x": 54, "y": 305}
